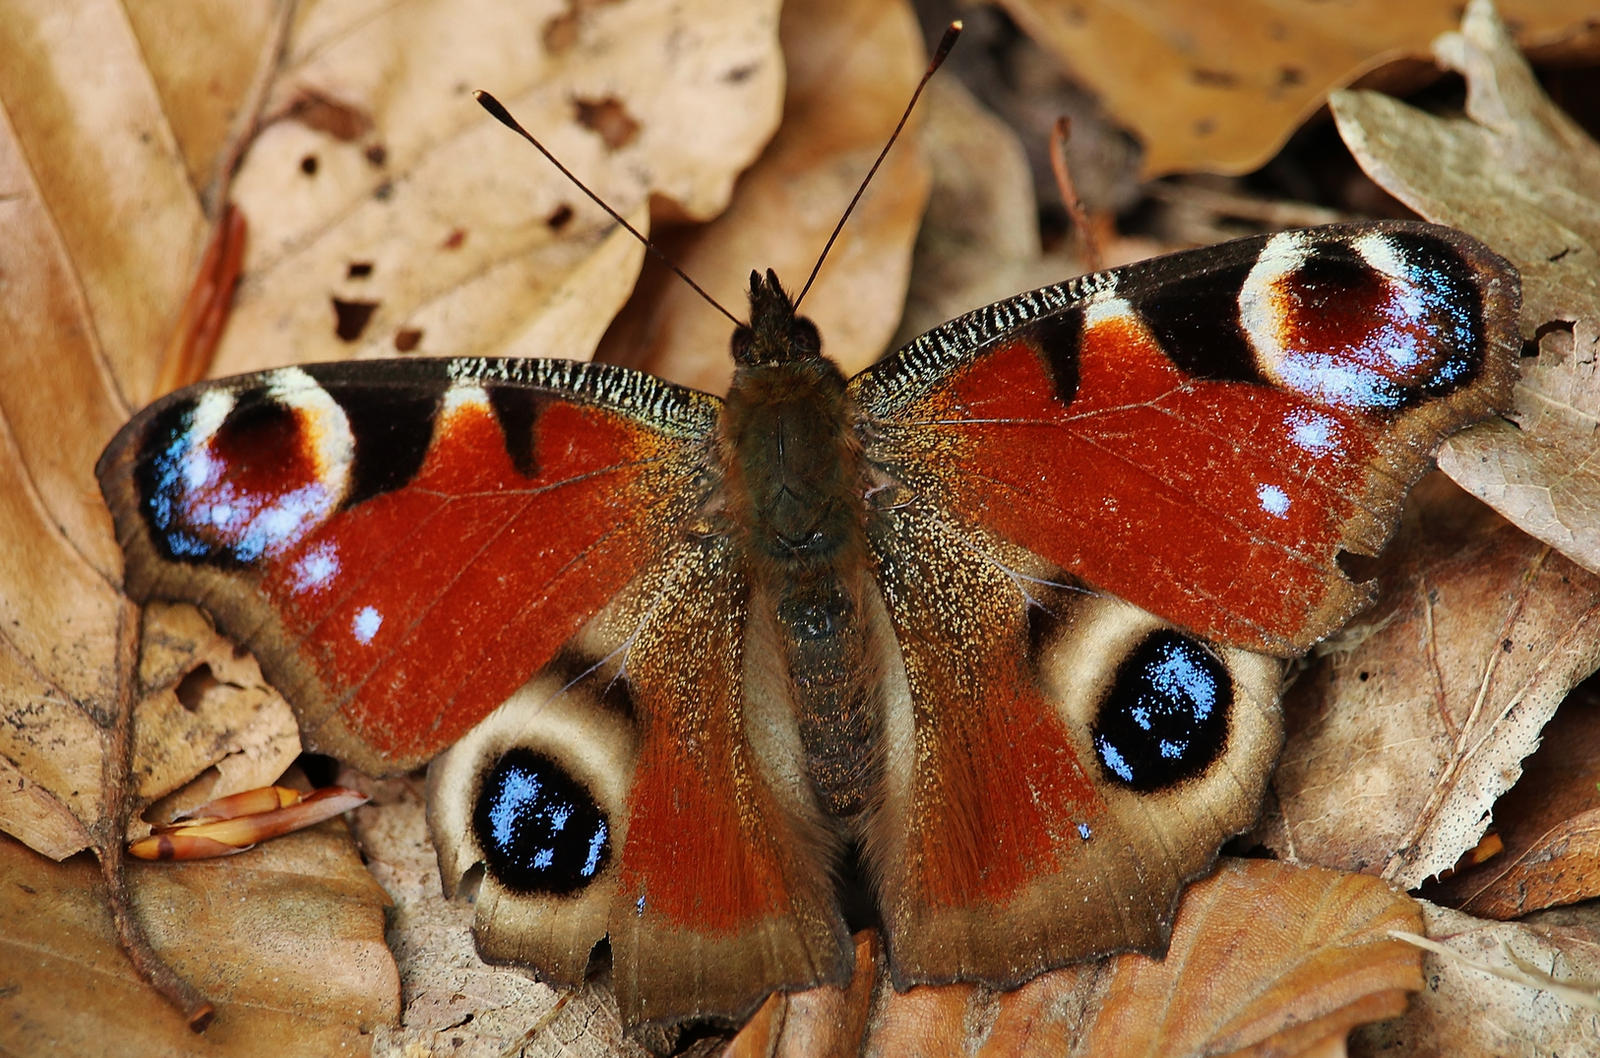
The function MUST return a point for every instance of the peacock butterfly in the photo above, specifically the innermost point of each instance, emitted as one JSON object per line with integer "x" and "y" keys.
{"x": 1002, "y": 616}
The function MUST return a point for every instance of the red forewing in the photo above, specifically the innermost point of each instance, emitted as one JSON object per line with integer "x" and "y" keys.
{"x": 1204, "y": 433}
{"x": 404, "y": 544}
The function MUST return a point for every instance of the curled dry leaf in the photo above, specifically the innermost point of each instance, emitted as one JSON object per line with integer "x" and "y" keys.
{"x": 289, "y": 942}
{"x": 1402, "y": 737}
{"x": 1507, "y": 989}
{"x": 851, "y": 70}
{"x": 1266, "y": 958}
{"x": 1549, "y": 824}
{"x": 1219, "y": 88}
{"x": 240, "y": 821}
{"x": 1521, "y": 176}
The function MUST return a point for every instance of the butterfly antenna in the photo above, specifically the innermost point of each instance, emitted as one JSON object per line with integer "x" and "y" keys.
{"x": 946, "y": 42}
{"x": 502, "y": 115}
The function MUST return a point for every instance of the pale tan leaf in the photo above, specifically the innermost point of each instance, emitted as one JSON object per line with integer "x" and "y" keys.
{"x": 390, "y": 212}
{"x": 1266, "y": 958}
{"x": 1489, "y": 994}
{"x": 287, "y": 939}
{"x": 852, "y": 67}
{"x": 100, "y": 230}
{"x": 1548, "y": 825}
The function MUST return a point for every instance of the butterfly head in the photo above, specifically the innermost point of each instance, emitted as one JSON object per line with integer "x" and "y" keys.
{"x": 774, "y": 335}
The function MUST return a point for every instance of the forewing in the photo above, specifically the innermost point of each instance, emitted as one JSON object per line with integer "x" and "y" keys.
{"x": 403, "y": 544}
{"x": 1203, "y": 434}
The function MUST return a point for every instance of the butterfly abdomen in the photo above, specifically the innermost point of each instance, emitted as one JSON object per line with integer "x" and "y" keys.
{"x": 794, "y": 483}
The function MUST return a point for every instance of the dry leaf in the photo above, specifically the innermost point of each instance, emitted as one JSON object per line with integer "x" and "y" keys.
{"x": 1520, "y": 175}
{"x": 1402, "y": 737}
{"x": 1485, "y": 998}
{"x": 101, "y": 230}
{"x": 820, "y": 1022}
{"x": 979, "y": 240}
{"x": 1219, "y": 87}
{"x": 1549, "y": 823}
{"x": 852, "y": 66}
{"x": 1266, "y": 958}
{"x": 419, "y": 220}
{"x": 288, "y": 941}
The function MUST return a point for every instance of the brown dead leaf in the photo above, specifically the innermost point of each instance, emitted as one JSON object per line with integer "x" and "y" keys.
{"x": 1219, "y": 87}
{"x": 1266, "y": 958}
{"x": 1501, "y": 990}
{"x": 1521, "y": 176}
{"x": 450, "y": 234}
{"x": 288, "y": 941}
{"x": 820, "y": 1022}
{"x": 1404, "y": 734}
{"x": 100, "y": 231}
{"x": 1549, "y": 823}
{"x": 851, "y": 68}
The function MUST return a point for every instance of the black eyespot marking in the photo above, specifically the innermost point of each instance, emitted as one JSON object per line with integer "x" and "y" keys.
{"x": 1165, "y": 719}
{"x": 539, "y": 827}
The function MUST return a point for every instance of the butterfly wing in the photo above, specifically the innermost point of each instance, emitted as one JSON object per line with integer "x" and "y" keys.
{"x": 711, "y": 879}
{"x": 1203, "y": 434}
{"x": 1198, "y": 437}
{"x": 403, "y": 544}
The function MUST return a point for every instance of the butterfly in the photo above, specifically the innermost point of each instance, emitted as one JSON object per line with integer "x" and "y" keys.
{"x": 1000, "y": 619}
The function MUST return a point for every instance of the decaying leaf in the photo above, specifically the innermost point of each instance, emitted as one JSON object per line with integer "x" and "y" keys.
{"x": 1219, "y": 88}
{"x": 288, "y": 942}
{"x": 1490, "y": 994}
{"x": 101, "y": 229}
{"x": 1266, "y": 958}
{"x": 1548, "y": 824}
{"x": 1520, "y": 175}
{"x": 1399, "y": 745}
{"x": 421, "y": 222}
